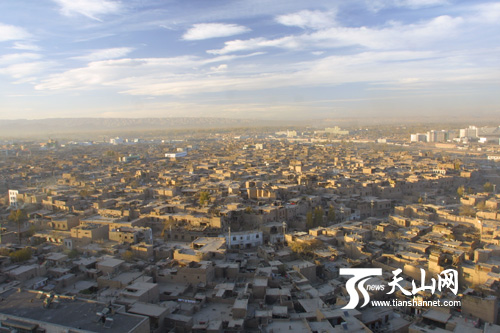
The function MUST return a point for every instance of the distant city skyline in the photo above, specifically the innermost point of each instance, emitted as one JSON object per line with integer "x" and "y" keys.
{"x": 250, "y": 59}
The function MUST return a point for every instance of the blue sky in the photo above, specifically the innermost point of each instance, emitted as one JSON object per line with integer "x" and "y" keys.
{"x": 248, "y": 58}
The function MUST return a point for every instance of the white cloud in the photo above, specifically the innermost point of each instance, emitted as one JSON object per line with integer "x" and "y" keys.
{"x": 486, "y": 13}
{"x": 376, "y": 5}
{"x": 288, "y": 42}
{"x": 308, "y": 19}
{"x": 89, "y": 8}
{"x": 12, "y": 58}
{"x": 106, "y": 54}
{"x": 220, "y": 68}
{"x": 393, "y": 36}
{"x": 212, "y": 30}
{"x": 26, "y": 46}
{"x": 20, "y": 66}
{"x": 26, "y": 69}
{"x": 183, "y": 76}
{"x": 125, "y": 72}
{"x": 11, "y": 32}
{"x": 394, "y": 54}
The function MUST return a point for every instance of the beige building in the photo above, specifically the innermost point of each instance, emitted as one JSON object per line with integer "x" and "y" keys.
{"x": 110, "y": 265}
{"x": 485, "y": 308}
{"x": 90, "y": 231}
{"x": 131, "y": 235}
{"x": 141, "y": 292}
{"x": 65, "y": 223}
{"x": 203, "y": 248}
{"x": 143, "y": 250}
{"x": 188, "y": 272}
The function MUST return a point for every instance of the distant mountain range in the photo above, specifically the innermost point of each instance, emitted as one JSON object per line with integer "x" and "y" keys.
{"x": 68, "y": 126}
{"x": 72, "y": 127}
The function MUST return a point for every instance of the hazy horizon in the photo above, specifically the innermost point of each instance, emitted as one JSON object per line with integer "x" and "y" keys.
{"x": 72, "y": 127}
{"x": 248, "y": 59}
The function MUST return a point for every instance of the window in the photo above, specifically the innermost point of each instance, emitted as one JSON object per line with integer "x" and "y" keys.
{"x": 257, "y": 236}
{"x": 234, "y": 238}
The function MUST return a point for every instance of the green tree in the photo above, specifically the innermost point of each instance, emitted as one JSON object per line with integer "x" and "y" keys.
{"x": 18, "y": 216}
{"x": 84, "y": 193}
{"x": 249, "y": 210}
{"x": 309, "y": 220}
{"x": 32, "y": 230}
{"x": 392, "y": 234}
{"x": 21, "y": 255}
{"x": 461, "y": 191}
{"x": 467, "y": 211}
{"x": 306, "y": 248}
{"x": 204, "y": 198}
{"x": 331, "y": 214}
{"x": 488, "y": 187}
{"x": 73, "y": 254}
{"x": 318, "y": 216}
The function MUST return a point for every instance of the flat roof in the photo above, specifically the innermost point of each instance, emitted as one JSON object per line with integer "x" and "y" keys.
{"x": 57, "y": 256}
{"x": 127, "y": 277}
{"x": 150, "y": 310}
{"x": 311, "y": 305}
{"x": 110, "y": 262}
{"x": 438, "y": 316}
{"x": 288, "y": 326}
{"x": 78, "y": 313}
{"x": 138, "y": 288}
{"x": 240, "y": 304}
{"x": 22, "y": 269}
{"x": 260, "y": 282}
{"x": 280, "y": 310}
{"x": 374, "y": 314}
{"x": 213, "y": 311}
{"x": 85, "y": 261}
{"x": 321, "y": 326}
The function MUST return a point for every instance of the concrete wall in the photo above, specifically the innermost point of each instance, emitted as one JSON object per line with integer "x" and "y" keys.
{"x": 483, "y": 308}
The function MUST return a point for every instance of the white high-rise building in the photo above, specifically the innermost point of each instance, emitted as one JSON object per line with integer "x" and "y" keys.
{"x": 437, "y": 136}
{"x": 470, "y": 132}
{"x": 13, "y": 198}
{"x": 418, "y": 137}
